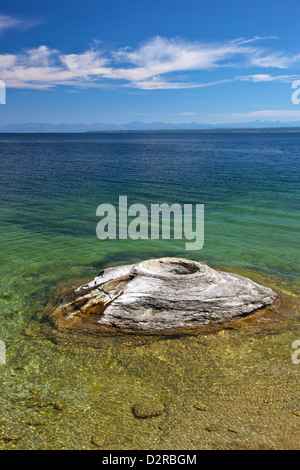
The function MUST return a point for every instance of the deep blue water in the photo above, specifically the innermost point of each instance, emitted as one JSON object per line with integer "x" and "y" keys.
{"x": 51, "y": 185}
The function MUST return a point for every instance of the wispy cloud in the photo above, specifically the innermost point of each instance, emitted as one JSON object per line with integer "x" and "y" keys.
{"x": 157, "y": 64}
{"x": 162, "y": 55}
{"x": 263, "y": 77}
{"x": 187, "y": 113}
{"x": 269, "y": 113}
{"x": 276, "y": 60}
{"x": 10, "y": 22}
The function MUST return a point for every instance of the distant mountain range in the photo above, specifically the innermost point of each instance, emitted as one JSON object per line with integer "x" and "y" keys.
{"x": 142, "y": 126}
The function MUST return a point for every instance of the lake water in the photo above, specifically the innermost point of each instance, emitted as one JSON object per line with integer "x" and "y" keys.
{"x": 50, "y": 187}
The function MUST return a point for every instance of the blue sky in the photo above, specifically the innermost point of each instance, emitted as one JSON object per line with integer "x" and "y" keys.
{"x": 116, "y": 61}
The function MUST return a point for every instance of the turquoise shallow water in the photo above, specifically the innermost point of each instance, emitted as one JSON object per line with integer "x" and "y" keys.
{"x": 50, "y": 187}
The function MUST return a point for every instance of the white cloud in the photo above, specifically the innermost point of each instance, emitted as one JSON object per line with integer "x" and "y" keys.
{"x": 87, "y": 63}
{"x": 10, "y": 22}
{"x": 275, "y": 60}
{"x": 263, "y": 77}
{"x": 158, "y": 84}
{"x": 40, "y": 56}
{"x": 161, "y": 55}
{"x": 7, "y": 61}
{"x": 187, "y": 113}
{"x": 269, "y": 113}
{"x": 156, "y": 64}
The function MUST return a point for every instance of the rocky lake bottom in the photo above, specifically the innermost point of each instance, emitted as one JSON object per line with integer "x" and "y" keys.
{"x": 225, "y": 387}
{"x": 228, "y": 387}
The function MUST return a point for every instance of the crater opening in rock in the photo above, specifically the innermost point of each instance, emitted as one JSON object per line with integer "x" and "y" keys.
{"x": 166, "y": 267}
{"x": 179, "y": 268}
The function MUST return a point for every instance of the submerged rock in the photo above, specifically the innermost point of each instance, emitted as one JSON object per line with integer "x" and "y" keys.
{"x": 60, "y": 405}
{"x": 160, "y": 295}
{"x": 97, "y": 441}
{"x": 201, "y": 407}
{"x": 148, "y": 409}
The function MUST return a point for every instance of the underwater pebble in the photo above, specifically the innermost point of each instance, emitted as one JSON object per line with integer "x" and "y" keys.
{"x": 11, "y": 437}
{"x": 97, "y": 441}
{"x": 148, "y": 409}
{"x": 201, "y": 407}
{"x": 60, "y": 405}
{"x": 6, "y": 296}
{"x": 36, "y": 422}
{"x": 233, "y": 429}
{"x": 213, "y": 427}
{"x": 19, "y": 366}
{"x": 9, "y": 432}
{"x": 38, "y": 403}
